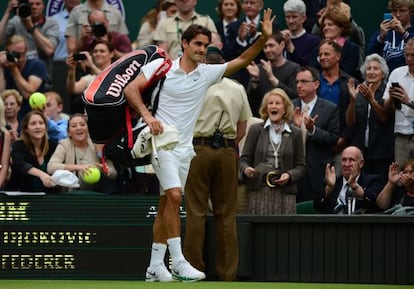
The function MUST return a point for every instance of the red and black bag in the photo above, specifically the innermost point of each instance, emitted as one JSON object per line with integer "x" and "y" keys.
{"x": 110, "y": 118}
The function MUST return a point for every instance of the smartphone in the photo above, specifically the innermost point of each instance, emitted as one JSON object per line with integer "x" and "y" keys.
{"x": 397, "y": 102}
{"x": 79, "y": 56}
{"x": 387, "y": 16}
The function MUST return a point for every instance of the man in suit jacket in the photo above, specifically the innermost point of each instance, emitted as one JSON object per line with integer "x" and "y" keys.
{"x": 352, "y": 191}
{"x": 242, "y": 33}
{"x": 319, "y": 120}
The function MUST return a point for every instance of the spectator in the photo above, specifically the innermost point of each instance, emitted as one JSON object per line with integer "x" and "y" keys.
{"x": 372, "y": 136}
{"x": 12, "y": 102}
{"x": 356, "y": 34}
{"x": 169, "y": 30}
{"x": 299, "y": 43}
{"x": 335, "y": 26}
{"x": 20, "y": 73}
{"x": 5, "y": 148}
{"x": 274, "y": 72}
{"x": 389, "y": 41}
{"x": 394, "y": 194}
{"x": 78, "y": 24}
{"x": 41, "y": 33}
{"x": 396, "y": 93}
{"x": 61, "y": 51}
{"x": 102, "y": 55}
{"x": 273, "y": 158}
{"x": 174, "y": 164}
{"x": 77, "y": 154}
{"x": 57, "y": 123}
{"x": 150, "y": 21}
{"x": 214, "y": 172}
{"x": 229, "y": 11}
{"x": 98, "y": 30}
{"x": 30, "y": 156}
{"x": 352, "y": 192}
{"x": 334, "y": 87}
{"x": 242, "y": 33}
{"x": 319, "y": 120}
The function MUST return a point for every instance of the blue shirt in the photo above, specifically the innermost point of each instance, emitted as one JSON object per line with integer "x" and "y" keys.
{"x": 328, "y": 91}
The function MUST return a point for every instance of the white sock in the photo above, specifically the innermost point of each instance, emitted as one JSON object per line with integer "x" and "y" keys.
{"x": 174, "y": 247}
{"x": 158, "y": 253}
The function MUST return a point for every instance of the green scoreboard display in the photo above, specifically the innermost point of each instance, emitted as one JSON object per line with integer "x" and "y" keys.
{"x": 76, "y": 236}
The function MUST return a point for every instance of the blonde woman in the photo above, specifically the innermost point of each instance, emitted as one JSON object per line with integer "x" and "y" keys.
{"x": 273, "y": 158}
{"x": 12, "y": 101}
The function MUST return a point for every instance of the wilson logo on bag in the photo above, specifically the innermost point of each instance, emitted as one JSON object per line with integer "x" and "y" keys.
{"x": 110, "y": 118}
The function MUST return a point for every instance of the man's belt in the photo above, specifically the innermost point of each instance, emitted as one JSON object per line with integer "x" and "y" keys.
{"x": 206, "y": 141}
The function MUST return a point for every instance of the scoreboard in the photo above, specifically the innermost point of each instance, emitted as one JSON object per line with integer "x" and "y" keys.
{"x": 86, "y": 235}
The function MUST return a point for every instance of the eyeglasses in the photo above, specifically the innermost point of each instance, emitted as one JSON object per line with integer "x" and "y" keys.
{"x": 304, "y": 81}
{"x": 408, "y": 171}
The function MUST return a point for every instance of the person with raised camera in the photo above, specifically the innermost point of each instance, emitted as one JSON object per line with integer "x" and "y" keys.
{"x": 273, "y": 158}
{"x": 20, "y": 73}
{"x": 41, "y": 33}
{"x": 98, "y": 30}
{"x": 78, "y": 22}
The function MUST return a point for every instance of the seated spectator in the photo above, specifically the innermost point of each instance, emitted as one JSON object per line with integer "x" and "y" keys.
{"x": 30, "y": 156}
{"x": 5, "y": 148}
{"x": 77, "y": 153}
{"x": 41, "y": 33}
{"x": 273, "y": 146}
{"x": 19, "y": 72}
{"x": 228, "y": 11}
{"x": 353, "y": 191}
{"x": 102, "y": 55}
{"x": 395, "y": 194}
{"x": 335, "y": 26}
{"x": 78, "y": 22}
{"x": 98, "y": 30}
{"x": 374, "y": 137}
{"x": 150, "y": 21}
{"x": 12, "y": 102}
{"x": 57, "y": 123}
{"x": 299, "y": 43}
{"x": 274, "y": 72}
{"x": 389, "y": 41}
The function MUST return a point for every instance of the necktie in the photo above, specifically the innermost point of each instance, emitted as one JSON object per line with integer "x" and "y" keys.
{"x": 305, "y": 111}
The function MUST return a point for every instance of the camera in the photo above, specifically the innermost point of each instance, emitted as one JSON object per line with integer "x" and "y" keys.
{"x": 23, "y": 9}
{"x": 79, "y": 56}
{"x": 217, "y": 139}
{"x": 12, "y": 56}
{"x": 99, "y": 29}
{"x": 397, "y": 102}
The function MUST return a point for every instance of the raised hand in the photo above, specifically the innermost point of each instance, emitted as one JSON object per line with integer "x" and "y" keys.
{"x": 267, "y": 23}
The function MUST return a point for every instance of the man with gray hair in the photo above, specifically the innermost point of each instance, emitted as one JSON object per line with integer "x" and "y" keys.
{"x": 299, "y": 43}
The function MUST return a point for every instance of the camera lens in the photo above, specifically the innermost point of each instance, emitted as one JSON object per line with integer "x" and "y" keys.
{"x": 99, "y": 29}
{"x": 23, "y": 10}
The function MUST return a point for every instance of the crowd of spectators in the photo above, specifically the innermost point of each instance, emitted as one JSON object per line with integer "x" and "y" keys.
{"x": 344, "y": 91}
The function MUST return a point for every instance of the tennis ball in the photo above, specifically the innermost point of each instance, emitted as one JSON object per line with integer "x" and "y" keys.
{"x": 37, "y": 100}
{"x": 91, "y": 175}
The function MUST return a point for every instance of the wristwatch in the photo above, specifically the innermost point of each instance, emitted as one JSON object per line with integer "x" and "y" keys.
{"x": 32, "y": 29}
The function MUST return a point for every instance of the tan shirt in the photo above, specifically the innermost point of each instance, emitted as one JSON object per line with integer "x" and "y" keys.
{"x": 228, "y": 96}
{"x": 170, "y": 29}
